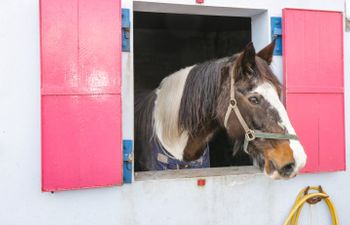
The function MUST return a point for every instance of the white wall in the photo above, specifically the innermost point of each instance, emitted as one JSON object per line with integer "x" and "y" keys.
{"x": 245, "y": 199}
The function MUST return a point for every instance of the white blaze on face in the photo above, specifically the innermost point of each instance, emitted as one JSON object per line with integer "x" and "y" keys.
{"x": 270, "y": 94}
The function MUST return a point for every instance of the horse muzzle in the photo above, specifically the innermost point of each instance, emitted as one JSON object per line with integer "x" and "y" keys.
{"x": 283, "y": 161}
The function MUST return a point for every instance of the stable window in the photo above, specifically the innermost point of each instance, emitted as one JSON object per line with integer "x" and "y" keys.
{"x": 165, "y": 43}
{"x": 168, "y": 38}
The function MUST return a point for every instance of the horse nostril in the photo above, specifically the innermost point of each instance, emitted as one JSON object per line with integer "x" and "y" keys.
{"x": 272, "y": 165}
{"x": 288, "y": 169}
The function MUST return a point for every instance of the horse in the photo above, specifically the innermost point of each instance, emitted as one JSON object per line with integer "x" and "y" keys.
{"x": 239, "y": 94}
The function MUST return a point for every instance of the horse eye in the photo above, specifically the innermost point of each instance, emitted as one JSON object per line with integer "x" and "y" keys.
{"x": 254, "y": 100}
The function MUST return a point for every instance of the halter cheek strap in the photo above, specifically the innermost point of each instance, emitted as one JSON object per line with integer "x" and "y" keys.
{"x": 249, "y": 134}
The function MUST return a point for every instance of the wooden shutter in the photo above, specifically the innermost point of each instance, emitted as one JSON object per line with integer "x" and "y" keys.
{"x": 314, "y": 88}
{"x": 80, "y": 93}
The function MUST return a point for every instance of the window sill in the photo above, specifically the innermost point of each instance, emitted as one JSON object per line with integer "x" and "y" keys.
{"x": 196, "y": 173}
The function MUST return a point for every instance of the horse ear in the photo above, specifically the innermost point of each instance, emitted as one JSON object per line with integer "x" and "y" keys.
{"x": 246, "y": 60}
{"x": 267, "y": 52}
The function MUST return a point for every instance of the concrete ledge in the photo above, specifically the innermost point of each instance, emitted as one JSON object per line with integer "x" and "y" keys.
{"x": 195, "y": 173}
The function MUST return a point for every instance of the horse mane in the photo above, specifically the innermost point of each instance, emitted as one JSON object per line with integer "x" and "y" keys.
{"x": 202, "y": 88}
{"x": 200, "y": 95}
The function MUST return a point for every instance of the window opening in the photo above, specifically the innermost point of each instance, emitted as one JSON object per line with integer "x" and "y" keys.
{"x": 164, "y": 43}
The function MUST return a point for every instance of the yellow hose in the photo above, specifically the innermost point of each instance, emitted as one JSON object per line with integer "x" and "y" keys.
{"x": 303, "y": 197}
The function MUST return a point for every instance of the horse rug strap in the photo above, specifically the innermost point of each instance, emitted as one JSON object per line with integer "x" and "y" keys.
{"x": 164, "y": 160}
{"x": 250, "y": 134}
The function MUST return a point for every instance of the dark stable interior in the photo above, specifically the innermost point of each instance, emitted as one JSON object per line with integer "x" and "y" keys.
{"x": 165, "y": 43}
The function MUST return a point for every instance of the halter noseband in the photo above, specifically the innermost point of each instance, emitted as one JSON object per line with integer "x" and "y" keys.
{"x": 250, "y": 134}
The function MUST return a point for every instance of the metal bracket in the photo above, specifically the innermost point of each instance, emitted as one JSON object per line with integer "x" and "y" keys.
{"x": 125, "y": 30}
{"x": 276, "y": 33}
{"x": 347, "y": 15}
{"x": 128, "y": 161}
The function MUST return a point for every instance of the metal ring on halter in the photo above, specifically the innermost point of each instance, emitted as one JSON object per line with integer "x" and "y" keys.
{"x": 233, "y": 103}
{"x": 250, "y": 135}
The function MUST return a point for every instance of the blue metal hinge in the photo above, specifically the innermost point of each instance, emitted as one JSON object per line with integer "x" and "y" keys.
{"x": 127, "y": 161}
{"x": 276, "y": 32}
{"x": 125, "y": 30}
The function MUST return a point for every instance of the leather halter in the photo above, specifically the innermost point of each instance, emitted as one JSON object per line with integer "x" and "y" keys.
{"x": 250, "y": 134}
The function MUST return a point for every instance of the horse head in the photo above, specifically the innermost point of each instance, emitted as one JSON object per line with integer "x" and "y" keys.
{"x": 251, "y": 110}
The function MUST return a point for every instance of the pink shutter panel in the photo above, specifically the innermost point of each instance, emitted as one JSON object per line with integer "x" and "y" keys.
{"x": 81, "y": 93}
{"x": 314, "y": 88}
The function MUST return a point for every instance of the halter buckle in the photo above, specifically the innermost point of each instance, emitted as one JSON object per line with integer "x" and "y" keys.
{"x": 250, "y": 135}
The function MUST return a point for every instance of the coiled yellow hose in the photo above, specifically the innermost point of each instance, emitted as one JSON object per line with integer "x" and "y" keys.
{"x": 311, "y": 198}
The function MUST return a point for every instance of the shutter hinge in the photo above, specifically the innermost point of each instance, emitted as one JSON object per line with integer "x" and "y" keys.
{"x": 276, "y": 32}
{"x": 347, "y": 15}
{"x": 125, "y": 30}
{"x": 128, "y": 161}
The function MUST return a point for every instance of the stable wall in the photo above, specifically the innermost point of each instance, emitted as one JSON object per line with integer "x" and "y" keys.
{"x": 240, "y": 200}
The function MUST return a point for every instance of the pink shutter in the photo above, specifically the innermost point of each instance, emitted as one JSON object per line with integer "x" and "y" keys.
{"x": 80, "y": 93}
{"x": 314, "y": 93}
